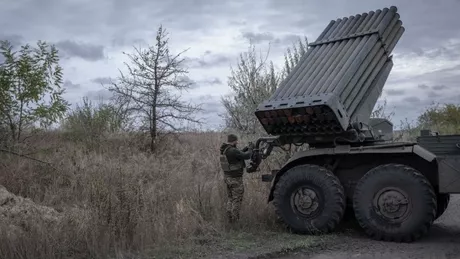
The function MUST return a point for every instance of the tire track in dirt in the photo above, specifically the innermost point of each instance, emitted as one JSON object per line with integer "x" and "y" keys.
{"x": 442, "y": 242}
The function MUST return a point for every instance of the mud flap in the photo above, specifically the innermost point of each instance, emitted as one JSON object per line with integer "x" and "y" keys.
{"x": 449, "y": 173}
{"x": 269, "y": 177}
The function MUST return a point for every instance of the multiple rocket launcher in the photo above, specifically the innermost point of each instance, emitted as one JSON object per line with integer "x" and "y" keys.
{"x": 339, "y": 80}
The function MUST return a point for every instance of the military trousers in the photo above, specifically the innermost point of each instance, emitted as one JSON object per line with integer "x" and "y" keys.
{"x": 235, "y": 191}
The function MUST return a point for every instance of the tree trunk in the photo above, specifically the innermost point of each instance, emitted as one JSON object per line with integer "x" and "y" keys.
{"x": 153, "y": 136}
{"x": 153, "y": 129}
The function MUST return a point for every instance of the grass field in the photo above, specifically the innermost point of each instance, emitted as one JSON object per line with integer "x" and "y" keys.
{"x": 113, "y": 199}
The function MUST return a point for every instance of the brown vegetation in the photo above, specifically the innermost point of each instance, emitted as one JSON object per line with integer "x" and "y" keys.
{"x": 113, "y": 197}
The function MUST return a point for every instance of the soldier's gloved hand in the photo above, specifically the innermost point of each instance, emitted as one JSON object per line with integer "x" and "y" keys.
{"x": 251, "y": 168}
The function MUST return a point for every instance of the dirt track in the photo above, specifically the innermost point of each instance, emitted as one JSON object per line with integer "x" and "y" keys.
{"x": 443, "y": 241}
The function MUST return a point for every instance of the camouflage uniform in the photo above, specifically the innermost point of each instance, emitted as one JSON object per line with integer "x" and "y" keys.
{"x": 235, "y": 192}
{"x": 233, "y": 169}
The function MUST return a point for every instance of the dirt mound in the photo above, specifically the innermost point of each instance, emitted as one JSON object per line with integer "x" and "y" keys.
{"x": 17, "y": 213}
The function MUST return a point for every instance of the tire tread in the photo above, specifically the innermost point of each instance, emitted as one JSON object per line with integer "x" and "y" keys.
{"x": 429, "y": 197}
{"x": 331, "y": 182}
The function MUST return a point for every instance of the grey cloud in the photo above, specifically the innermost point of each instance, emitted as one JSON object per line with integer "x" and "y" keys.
{"x": 194, "y": 84}
{"x": 412, "y": 107}
{"x": 121, "y": 22}
{"x": 291, "y": 38}
{"x": 287, "y": 40}
{"x": 280, "y": 40}
{"x": 71, "y": 86}
{"x": 117, "y": 19}
{"x": 210, "y": 104}
{"x": 190, "y": 15}
{"x": 428, "y": 24}
{"x": 448, "y": 77}
{"x": 98, "y": 95}
{"x": 211, "y": 108}
{"x": 118, "y": 23}
{"x": 447, "y": 51}
{"x": 411, "y": 99}
{"x": 119, "y": 40}
{"x": 212, "y": 81}
{"x": 423, "y": 86}
{"x": 434, "y": 94}
{"x": 14, "y": 39}
{"x": 187, "y": 80}
{"x": 304, "y": 21}
{"x": 204, "y": 97}
{"x": 441, "y": 79}
{"x": 452, "y": 52}
{"x": 443, "y": 82}
{"x": 258, "y": 37}
{"x": 395, "y": 92}
{"x": 427, "y": 98}
{"x": 102, "y": 80}
{"x": 208, "y": 60}
{"x": 439, "y": 87}
{"x": 307, "y": 20}
{"x": 237, "y": 23}
{"x": 85, "y": 51}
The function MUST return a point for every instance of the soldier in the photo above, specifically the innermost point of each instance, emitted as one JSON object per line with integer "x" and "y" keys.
{"x": 232, "y": 161}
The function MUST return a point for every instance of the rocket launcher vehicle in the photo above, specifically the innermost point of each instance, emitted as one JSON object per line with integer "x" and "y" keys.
{"x": 335, "y": 86}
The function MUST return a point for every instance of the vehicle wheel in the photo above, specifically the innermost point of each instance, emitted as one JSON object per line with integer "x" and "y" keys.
{"x": 394, "y": 202}
{"x": 309, "y": 199}
{"x": 443, "y": 202}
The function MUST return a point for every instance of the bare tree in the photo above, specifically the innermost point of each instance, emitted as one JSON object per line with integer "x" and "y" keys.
{"x": 151, "y": 91}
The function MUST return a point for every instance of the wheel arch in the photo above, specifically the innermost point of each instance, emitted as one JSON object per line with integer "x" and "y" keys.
{"x": 411, "y": 155}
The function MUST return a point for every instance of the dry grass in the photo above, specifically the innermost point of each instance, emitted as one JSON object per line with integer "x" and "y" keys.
{"x": 117, "y": 199}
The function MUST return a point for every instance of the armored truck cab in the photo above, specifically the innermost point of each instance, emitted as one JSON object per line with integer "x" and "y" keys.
{"x": 395, "y": 189}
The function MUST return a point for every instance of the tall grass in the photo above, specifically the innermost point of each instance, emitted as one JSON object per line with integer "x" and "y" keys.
{"x": 114, "y": 198}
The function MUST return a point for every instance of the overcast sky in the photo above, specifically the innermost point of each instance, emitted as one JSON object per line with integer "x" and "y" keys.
{"x": 92, "y": 35}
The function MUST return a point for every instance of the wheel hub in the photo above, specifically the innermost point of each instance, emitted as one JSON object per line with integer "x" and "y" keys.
{"x": 392, "y": 203}
{"x": 305, "y": 201}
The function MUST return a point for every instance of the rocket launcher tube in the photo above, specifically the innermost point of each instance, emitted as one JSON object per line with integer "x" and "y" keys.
{"x": 298, "y": 69}
{"x": 345, "y": 26}
{"x": 336, "y": 81}
{"x": 305, "y": 71}
{"x": 325, "y": 58}
{"x": 326, "y": 61}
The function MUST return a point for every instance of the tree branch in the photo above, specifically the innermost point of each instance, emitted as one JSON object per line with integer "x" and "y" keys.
{"x": 28, "y": 157}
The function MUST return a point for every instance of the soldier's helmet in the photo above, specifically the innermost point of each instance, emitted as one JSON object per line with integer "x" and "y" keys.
{"x": 232, "y": 138}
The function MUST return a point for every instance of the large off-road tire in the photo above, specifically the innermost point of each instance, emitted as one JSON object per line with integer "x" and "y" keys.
{"x": 309, "y": 199}
{"x": 394, "y": 202}
{"x": 443, "y": 202}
